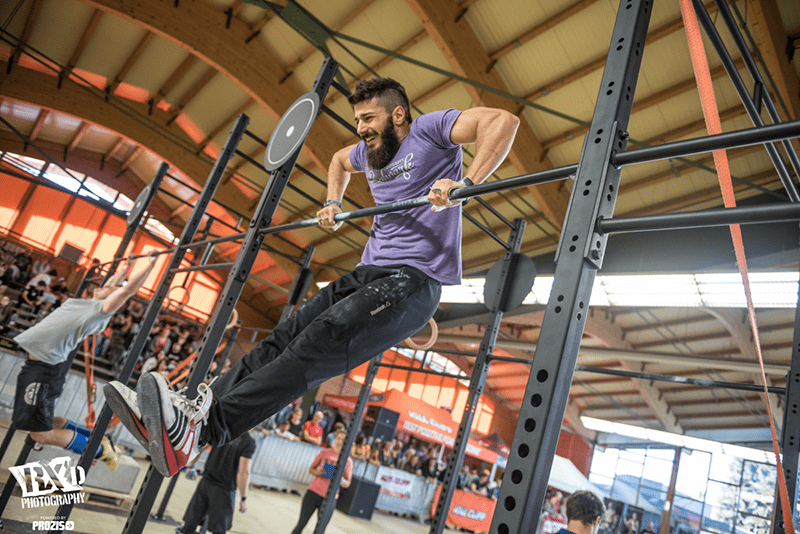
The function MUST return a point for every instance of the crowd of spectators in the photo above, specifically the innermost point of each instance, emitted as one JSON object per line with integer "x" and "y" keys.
{"x": 412, "y": 456}
{"x": 32, "y": 289}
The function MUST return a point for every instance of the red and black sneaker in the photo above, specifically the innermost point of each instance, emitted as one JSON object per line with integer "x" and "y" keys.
{"x": 173, "y": 422}
{"x": 124, "y": 404}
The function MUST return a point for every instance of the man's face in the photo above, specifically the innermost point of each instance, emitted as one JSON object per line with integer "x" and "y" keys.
{"x": 374, "y": 125}
{"x": 318, "y": 417}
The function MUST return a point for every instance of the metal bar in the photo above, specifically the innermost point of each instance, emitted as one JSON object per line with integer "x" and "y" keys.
{"x": 214, "y": 240}
{"x": 335, "y": 116}
{"x": 251, "y": 160}
{"x": 682, "y": 380}
{"x": 461, "y": 193}
{"x": 195, "y": 190}
{"x": 255, "y": 138}
{"x": 790, "y": 445}
{"x": 494, "y": 212}
{"x": 11, "y": 482}
{"x": 423, "y": 371}
{"x": 478, "y": 378}
{"x": 325, "y": 511}
{"x": 339, "y": 87}
{"x": 709, "y": 143}
{"x": 210, "y": 267}
{"x": 770, "y": 213}
{"x": 137, "y": 518}
{"x": 487, "y": 231}
{"x": 298, "y": 282}
{"x": 578, "y": 257}
{"x": 752, "y": 68}
{"x": 744, "y": 96}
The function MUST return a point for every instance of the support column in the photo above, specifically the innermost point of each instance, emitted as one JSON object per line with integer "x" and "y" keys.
{"x": 479, "y": 371}
{"x": 329, "y": 502}
{"x": 578, "y": 258}
{"x": 790, "y": 438}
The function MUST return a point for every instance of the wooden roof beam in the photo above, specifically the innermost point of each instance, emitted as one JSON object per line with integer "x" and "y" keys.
{"x": 30, "y": 21}
{"x": 225, "y": 122}
{"x": 130, "y": 62}
{"x": 87, "y": 34}
{"x": 173, "y": 79}
{"x": 36, "y": 88}
{"x": 193, "y": 92}
{"x": 611, "y": 335}
{"x": 598, "y": 63}
{"x": 37, "y": 126}
{"x": 311, "y": 50}
{"x": 78, "y": 136}
{"x": 196, "y": 26}
{"x": 638, "y": 105}
{"x": 539, "y": 29}
{"x": 465, "y": 54}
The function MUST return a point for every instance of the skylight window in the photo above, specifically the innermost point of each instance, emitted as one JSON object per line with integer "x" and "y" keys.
{"x": 725, "y": 290}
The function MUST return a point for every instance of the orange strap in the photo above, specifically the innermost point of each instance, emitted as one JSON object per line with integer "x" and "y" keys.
{"x": 714, "y": 126}
{"x": 91, "y": 392}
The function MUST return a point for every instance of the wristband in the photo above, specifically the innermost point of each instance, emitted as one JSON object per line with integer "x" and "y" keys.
{"x": 244, "y": 497}
{"x": 332, "y": 201}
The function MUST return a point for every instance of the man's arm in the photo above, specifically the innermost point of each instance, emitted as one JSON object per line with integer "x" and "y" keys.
{"x": 115, "y": 300}
{"x": 242, "y": 479}
{"x": 492, "y": 131}
{"x": 338, "y": 177}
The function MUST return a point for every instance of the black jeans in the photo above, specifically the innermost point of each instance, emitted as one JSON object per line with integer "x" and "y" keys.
{"x": 311, "y": 502}
{"x": 343, "y": 325}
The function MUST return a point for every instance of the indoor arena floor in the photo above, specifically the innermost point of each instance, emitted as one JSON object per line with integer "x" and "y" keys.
{"x": 268, "y": 511}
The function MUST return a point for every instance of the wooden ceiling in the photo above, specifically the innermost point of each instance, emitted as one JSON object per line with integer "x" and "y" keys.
{"x": 168, "y": 78}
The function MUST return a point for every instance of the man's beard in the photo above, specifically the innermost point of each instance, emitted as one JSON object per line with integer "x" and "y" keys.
{"x": 378, "y": 158}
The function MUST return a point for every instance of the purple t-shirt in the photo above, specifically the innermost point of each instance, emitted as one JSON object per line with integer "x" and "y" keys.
{"x": 419, "y": 237}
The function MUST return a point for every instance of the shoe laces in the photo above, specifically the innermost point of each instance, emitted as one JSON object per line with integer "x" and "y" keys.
{"x": 192, "y": 407}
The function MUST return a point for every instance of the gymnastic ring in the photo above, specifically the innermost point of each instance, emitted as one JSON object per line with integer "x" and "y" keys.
{"x": 179, "y": 305}
{"x": 428, "y": 344}
{"x": 234, "y": 319}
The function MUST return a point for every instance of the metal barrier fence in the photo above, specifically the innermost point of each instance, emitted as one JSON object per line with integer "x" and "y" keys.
{"x": 277, "y": 463}
{"x": 283, "y": 464}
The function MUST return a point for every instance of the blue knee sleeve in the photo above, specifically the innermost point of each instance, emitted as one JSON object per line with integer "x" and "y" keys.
{"x": 72, "y": 425}
{"x": 78, "y": 443}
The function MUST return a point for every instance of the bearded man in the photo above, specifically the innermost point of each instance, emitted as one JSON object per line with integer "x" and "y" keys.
{"x": 389, "y": 296}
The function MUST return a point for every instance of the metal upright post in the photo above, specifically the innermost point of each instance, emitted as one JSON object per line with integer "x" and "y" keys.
{"x": 237, "y": 277}
{"x": 790, "y": 438}
{"x": 300, "y": 283}
{"x": 329, "y": 502}
{"x": 152, "y": 481}
{"x": 744, "y": 96}
{"x": 478, "y": 379}
{"x": 579, "y": 255}
{"x": 772, "y": 110}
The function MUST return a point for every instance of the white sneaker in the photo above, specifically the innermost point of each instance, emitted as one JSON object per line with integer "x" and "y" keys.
{"x": 123, "y": 402}
{"x": 172, "y": 421}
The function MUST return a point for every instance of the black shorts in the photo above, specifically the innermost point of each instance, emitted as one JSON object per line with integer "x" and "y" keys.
{"x": 39, "y": 384}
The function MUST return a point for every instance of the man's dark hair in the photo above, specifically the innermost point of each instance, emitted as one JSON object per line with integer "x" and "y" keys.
{"x": 389, "y": 93}
{"x": 584, "y": 506}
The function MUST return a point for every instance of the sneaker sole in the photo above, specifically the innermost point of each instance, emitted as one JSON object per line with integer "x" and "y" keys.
{"x": 162, "y": 454}
{"x": 120, "y": 408}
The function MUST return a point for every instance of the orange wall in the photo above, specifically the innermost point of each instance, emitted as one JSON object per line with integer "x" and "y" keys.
{"x": 50, "y": 218}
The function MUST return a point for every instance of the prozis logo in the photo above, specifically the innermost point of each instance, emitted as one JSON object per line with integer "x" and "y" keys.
{"x": 37, "y": 485}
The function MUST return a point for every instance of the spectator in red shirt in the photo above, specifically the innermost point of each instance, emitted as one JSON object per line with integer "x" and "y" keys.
{"x": 322, "y": 469}
{"x": 312, "y": 430}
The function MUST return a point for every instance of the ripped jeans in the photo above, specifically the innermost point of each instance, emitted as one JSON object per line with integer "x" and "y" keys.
{"x": 343, "y": 325}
